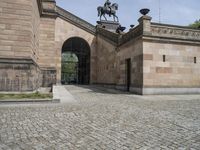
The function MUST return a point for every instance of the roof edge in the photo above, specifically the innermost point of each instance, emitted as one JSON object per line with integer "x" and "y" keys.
{"x": 75, "y": 20}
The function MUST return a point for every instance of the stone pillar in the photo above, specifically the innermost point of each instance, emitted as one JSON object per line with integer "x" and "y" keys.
{"x": 111, "y": 26}
{"x": 145, "y": 23}
{"x": 49, "y": 8}
{"x": 48, "y": 57}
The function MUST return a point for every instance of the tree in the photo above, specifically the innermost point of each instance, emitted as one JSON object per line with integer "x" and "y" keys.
{"x": 69, "y": 67}
{"x": 196, "y": 24}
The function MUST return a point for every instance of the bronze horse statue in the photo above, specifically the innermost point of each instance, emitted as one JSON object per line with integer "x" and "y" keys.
{"x": 102, "y": 11}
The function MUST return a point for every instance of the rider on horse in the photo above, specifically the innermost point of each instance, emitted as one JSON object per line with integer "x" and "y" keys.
{"x": 108, "y": 9}
{"x": 107, "y": 5}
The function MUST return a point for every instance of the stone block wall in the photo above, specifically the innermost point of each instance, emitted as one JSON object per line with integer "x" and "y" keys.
{"x": 164, "y": 58}
{"x": 20, "y": 38}
{"x": 35, "y": 31}
{"x": 19, "y": 44}
{"x": 132, "y": 50}
{"x": 48, "y": 77}
{"x": 171, "y": 65}
{"x": 19, "y": 75}
{"x": 171, "y": 60}
{"x": 47, "y": 52}
{"x": 106, "y": 61}
{"x": 19, "y": 22}
{"x": 24, "y": 75}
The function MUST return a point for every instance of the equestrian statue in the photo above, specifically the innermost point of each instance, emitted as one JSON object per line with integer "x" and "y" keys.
{"x": 109, "y": 10}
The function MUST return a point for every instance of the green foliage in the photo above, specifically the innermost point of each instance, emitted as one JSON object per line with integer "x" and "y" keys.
{"x": 196, "y": 24}
{"x": 69, "y": 57}
{"x": 35, "y": 95}
{"x": 69, "y": 62}
{"x": 69, "y": 66}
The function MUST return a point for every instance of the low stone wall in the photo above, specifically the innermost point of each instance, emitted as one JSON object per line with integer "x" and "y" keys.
{"x": 24, "y": 75}
{"x": 48, "y": 77}
{"x": 18, "y": 75}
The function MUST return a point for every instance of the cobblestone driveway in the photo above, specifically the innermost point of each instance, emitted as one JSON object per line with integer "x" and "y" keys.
{"x": 102, "y": 120}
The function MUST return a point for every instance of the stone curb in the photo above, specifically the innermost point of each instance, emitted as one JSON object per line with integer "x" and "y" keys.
{"x": 31, "y": 101}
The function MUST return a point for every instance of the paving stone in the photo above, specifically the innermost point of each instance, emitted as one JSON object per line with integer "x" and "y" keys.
{"x": 100, "y": 120}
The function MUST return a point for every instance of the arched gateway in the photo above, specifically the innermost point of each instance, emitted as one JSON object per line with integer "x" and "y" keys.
{"x": 75, "y": 67}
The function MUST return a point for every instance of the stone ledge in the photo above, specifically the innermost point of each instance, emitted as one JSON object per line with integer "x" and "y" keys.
{"x": 164, "y": 91}
{"x": 30, "y": 101}
{"x": 161, "y": 39}
{"x": 111, "y": 36}
{"x": 176, "y": 26}
{"x": 154, "y": 91}
{"x": 75, "y": 20}
{"x": 174, "y": 32}
{"x": 17, "y": 60}
{"x": 109, "y": 25}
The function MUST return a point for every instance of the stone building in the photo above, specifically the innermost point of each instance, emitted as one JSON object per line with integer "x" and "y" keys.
{"x": 151, "y": 58}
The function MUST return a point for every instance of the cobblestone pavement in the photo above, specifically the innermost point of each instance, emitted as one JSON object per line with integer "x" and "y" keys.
{"x": 102, "y": 120}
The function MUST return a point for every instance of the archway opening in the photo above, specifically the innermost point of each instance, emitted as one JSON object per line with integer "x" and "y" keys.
{"x": 75, "y": 62}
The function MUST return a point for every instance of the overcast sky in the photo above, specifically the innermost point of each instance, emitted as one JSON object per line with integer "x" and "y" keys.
{"x": 178, "y": 12}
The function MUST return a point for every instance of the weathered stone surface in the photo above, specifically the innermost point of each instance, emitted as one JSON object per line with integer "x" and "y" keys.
{"x": 106, "y": 66}
{"x": 179, "y": 69}
{"x": 24, "y": 75}
{"x": 19, "y": 21}
{"x": 37, "y": 30}
{"x": 19, "y": 75}
{"x": 48, "y": 77}
{"x": 109, "y": 25}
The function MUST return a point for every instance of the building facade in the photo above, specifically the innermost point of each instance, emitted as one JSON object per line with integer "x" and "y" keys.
{"x": 151, "y": 58}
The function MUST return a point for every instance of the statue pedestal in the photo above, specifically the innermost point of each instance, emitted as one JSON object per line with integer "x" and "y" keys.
{"x": 108, "y": 25}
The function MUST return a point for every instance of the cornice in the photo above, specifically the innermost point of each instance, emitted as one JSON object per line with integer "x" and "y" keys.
{"x": 111, "y": 36}
{"x": 161, "y": 39}
{"x": 120, "y": 39}
{"x": 132, "y": 34}
{"x": 174, "y": 26}
{"x": 75, "y": 20}
{"x": 49, "y": 1}
{"x": 39, "y": 2}
{"x": 175, "y": 32}
{"x": 14, "y": 60}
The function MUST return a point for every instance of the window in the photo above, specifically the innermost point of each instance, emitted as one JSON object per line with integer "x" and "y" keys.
{"x": 164, "y": 58}
{"x": 195, "y": 60}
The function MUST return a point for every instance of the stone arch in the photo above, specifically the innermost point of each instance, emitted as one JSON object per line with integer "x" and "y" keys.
{"x": 79, "y": 47}
{"x": 65, "y": 30}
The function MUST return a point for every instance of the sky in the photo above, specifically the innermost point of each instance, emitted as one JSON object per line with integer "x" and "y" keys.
{"x": 177, "y": 12}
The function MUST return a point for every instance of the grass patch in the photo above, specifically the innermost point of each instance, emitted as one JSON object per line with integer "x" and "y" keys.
{"x": 36, "y": 95}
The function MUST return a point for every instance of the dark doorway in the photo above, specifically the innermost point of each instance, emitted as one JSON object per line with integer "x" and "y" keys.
{"x": 128, "y": 74}
{"x": 75, "y": 62}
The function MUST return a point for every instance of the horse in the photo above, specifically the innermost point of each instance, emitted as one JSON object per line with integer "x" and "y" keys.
{"x": 104, "y": 10}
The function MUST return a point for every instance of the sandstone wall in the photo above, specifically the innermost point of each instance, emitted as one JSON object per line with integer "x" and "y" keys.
{"x": 65, "y": 30}
{"x": 35, "y": 31}
{"x": 171, "y": 60}
{"x": 179, "y": 69}
{"x": 19, "y": 44}
{"x": 19, "y": 75}
{"x": 47, "y": 51}
{"x": 106, "y": 62}
{"x": 133, "y": 50}
{"x": 19, "y": 21}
